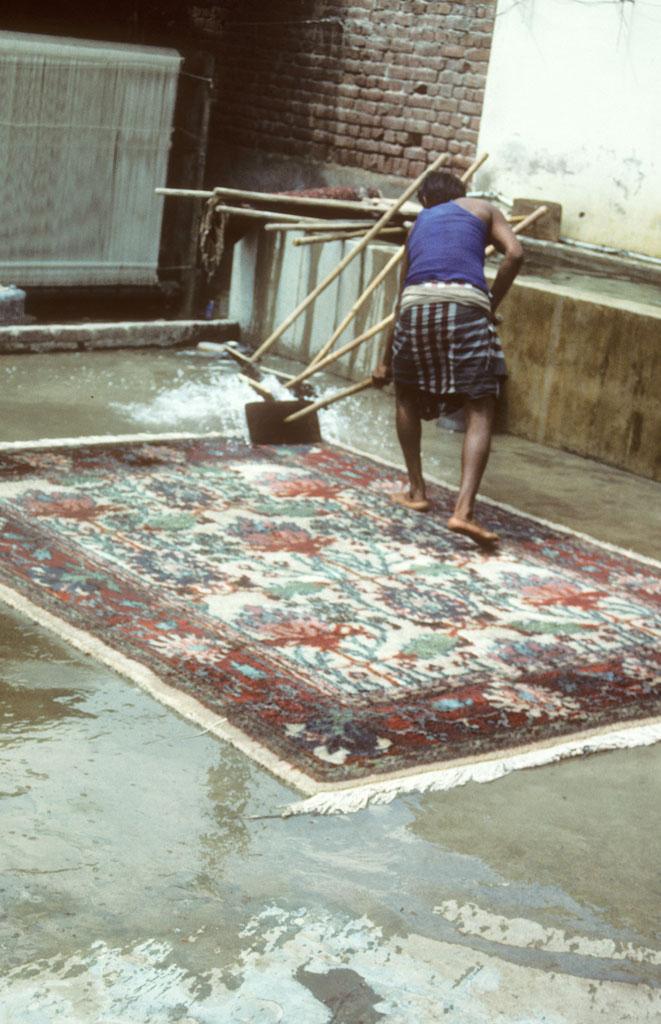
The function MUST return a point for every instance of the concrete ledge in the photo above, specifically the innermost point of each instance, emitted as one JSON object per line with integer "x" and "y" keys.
{"x": 546, "y": 256}
{"x": 135, "y": 334}
{"x": 583, "y": 374}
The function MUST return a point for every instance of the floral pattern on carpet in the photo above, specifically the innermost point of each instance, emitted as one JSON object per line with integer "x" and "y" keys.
{"x": 284, "y": 590}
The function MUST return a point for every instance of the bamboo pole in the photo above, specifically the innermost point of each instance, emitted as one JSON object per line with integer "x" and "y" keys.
{"x": 244, "y": 211}
{"x": 243, "y": 360}
{"x": 308, "y": 224}
{"x": 309, "y": 201}
{"x": 292, "y": 219}
{"x": 535, "y": 215}
{"x": 475, "y": 166}
{"x": 351, "y": 255}
{"x": 185, "y": 193}
{"x": 270, "y": 198}
{"x": 341, "y": 236}
{"x": 261, "y": 389}
{"x": 235, "y": 354}
{"x": 344, "y": 393}
{"x": 342, "y": 351}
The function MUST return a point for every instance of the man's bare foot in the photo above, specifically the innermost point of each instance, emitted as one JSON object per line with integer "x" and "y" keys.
{"x": 471, "y": 529}
{"x": 407, "y": 500}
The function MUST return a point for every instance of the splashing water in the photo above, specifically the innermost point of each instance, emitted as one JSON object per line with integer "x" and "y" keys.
{"x": 210, "y": 395}
{"x": 214, "y": 403}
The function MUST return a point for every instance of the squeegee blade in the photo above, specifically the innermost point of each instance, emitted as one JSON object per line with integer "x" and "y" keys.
{"x": 266, "y": 424}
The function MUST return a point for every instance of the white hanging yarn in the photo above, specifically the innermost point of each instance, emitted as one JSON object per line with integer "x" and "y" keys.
{"x": 85, "y": 133}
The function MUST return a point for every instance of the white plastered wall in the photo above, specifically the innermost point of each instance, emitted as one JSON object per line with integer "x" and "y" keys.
{"x": 572, "y": 113}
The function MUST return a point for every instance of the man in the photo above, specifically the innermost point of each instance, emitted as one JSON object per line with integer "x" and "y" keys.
{"x": 443, "y": 351}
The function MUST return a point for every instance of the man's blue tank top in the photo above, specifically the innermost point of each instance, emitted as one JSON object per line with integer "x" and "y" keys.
{"x": 447, "y": 243}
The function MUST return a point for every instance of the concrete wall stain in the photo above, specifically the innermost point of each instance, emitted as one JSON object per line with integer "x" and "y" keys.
{"x": 635, "y": 432}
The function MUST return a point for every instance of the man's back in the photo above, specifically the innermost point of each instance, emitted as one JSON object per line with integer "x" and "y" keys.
{"x": 447, "y": 244}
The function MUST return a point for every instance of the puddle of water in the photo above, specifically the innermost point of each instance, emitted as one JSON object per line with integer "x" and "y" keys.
{"x": 22, "y": 711}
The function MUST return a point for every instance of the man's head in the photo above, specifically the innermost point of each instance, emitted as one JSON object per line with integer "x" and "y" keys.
{"x": 440, "y": 187}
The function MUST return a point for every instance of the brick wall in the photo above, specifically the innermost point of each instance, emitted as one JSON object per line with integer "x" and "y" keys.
{"x": 380, "y": 85}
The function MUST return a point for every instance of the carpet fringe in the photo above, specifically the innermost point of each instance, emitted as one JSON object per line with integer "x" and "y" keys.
{"x": 348, "y": 801}
{"x": 103, "y": 439}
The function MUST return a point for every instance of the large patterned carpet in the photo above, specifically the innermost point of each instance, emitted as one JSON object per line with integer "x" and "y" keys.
{"x": 342, "y": 636}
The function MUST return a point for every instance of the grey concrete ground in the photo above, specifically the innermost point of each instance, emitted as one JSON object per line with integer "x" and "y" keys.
{"x": 140, "y": 885}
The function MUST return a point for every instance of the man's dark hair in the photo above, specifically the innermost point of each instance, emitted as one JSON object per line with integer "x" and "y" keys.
{"x": 440, "y": 187}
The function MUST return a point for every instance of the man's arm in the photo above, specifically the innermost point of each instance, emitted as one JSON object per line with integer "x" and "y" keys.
{"x": 383, "y": 371}
{"x": 506, "y": 242}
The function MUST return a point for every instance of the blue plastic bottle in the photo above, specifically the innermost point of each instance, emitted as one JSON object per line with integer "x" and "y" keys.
{"x": 12, "y": 304}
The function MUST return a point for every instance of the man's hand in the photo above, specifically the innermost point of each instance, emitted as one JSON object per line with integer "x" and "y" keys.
{"x": 495, "y": 318}
{"x": 381, "y": 375}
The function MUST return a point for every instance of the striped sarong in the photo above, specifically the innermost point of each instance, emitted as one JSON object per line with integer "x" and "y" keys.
{"x": 444, "y": 353}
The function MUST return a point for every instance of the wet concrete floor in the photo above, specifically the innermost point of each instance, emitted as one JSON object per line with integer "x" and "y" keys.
{"x": 138, "y": 882}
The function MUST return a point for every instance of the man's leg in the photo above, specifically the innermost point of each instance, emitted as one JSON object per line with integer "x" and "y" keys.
{"x": 409, "y": 432}
{"x": 480, "y": 414}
